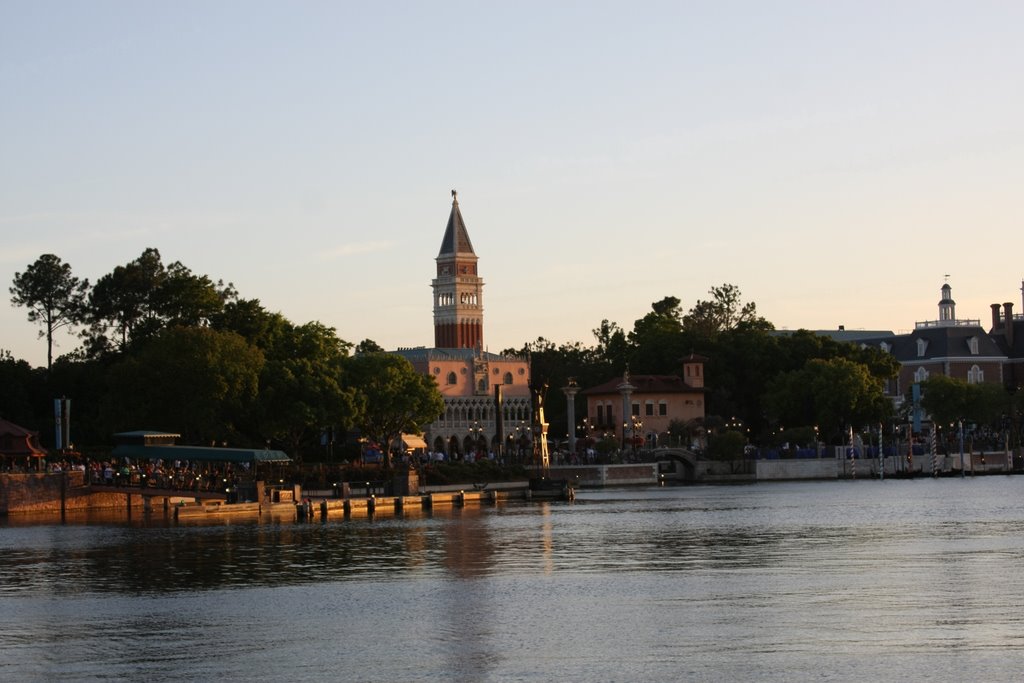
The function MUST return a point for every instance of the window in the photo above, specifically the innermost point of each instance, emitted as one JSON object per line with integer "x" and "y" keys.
{"x": 662, "y": 408}
{"x": 649, "y": 408}
{"x": 922, "y": 346}
{"x": 600, "y": 414}
{"x": 972, "y": 344}
{"x": 975, "y": 375}
{"x": 482, "y": 385}
{"x": 884, "y": 347}
{"x": 508, "y": 378}
{"x": 636, "y": 409}
{"x": 452, "y": 379}
{"x": 921, "y": 375}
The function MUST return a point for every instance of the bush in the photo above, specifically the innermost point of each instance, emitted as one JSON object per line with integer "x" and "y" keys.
{"x": 726, "y": 446}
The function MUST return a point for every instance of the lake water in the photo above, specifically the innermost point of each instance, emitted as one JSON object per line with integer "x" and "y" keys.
{"x": 847, "y": 581}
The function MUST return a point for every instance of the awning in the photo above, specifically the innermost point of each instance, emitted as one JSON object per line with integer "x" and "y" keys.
{"x": 198, "y": 454}
{"x": 414, "y": 441}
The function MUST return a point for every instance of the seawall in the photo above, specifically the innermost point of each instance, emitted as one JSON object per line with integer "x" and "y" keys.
{"x": 51, "y": 493}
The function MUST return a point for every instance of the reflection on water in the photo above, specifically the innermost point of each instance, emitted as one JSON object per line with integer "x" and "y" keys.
{"x": 828, "y": 580}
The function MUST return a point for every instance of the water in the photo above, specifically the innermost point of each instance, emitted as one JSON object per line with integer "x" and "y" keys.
{"x": 844, "y": 581}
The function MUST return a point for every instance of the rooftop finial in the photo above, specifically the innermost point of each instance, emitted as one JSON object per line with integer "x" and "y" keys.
{"x": 455, "y": 196}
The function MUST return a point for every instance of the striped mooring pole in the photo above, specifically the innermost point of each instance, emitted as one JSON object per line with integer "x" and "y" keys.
{"x": 935, "y": 453}
{"x": 853, "y": 457}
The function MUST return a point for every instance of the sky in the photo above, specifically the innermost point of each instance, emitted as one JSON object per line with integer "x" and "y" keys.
{"x": 836, "y": 161}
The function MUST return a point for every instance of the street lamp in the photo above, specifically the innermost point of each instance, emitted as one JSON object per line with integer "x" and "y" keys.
{"x": 476, "y": 434}
{"x": 638, "y": 425}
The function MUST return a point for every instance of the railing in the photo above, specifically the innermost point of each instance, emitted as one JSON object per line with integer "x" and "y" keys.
{"x": 947, "y": 323}
{"x": 179, "y": 481}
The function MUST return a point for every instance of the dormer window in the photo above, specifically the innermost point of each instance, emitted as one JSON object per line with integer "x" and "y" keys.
{"x": 885, "y": 347}
{"x": 972, "y": 344}
{"x": 922, "y": 346}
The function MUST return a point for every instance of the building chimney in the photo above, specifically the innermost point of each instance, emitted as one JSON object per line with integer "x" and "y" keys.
{"x": 995, "y": 317}
{"x": 1008, "y": 323}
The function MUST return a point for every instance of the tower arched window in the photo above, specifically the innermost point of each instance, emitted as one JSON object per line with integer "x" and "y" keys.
{"x": 452, "y": 378}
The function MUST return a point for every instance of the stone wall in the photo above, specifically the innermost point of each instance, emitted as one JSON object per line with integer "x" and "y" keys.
{"x": 44, "y": 493}
{"x": 607, "y": 475}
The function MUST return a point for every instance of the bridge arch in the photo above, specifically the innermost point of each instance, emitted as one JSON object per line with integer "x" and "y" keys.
{"x": 684, "y": 463}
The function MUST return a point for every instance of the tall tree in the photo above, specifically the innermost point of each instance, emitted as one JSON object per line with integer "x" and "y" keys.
{"x": 53, "y": 296}
{"x": 658, "y": 340}
{"x": 395, "y": 399}
{"x": 142, "y": 297}
{"x": 724, "y": 311}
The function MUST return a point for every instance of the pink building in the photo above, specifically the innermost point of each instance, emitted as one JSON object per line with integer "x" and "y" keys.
{"x": 486, "y": 395}
{"x": 638, "y": 408}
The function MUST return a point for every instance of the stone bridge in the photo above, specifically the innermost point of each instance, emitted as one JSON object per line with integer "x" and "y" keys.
{"x": 684, "y": 462}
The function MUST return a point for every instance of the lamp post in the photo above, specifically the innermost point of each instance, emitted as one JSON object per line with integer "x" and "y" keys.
{"x": 626, "y": 389}
{"x": 638, "y": 425}
{"x": 960, "y": 430}
{"x": 570, "y": 392}
{"x": 476, "y": 434}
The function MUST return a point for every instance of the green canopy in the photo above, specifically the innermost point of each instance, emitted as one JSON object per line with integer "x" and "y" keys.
{"x": 199, "y": 454}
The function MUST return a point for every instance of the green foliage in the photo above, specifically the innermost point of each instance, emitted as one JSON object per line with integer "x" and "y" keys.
{"x": 948, "y": 400}
{"x": 832, "y": 394}
{"x": 191, "y": 380}
{"x": 727, "y": 445}
{"x": 301, "y": 388}
{"x": 138, "y": 299}
{"x": 53, "y": 296}
{"x": 480, "y": 472}
{"x": 18, "y": 384}
{"x": 724, "y": 311}
{"x": 393, "y": 398}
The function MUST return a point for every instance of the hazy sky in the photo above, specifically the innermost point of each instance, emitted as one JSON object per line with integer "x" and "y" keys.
{"x": 834, "y": 160}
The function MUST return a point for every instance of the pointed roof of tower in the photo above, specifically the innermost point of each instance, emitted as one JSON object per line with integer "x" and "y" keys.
{"x": 456, "y": 237}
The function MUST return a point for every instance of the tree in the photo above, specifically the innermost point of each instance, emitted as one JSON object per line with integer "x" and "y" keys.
{"x": 369, "y": 346}
{"x": 727, "y": 445}
{"x": 658, "y": 340}
{"x": 947, "y": 400}
{"x": 613, "y": 348}
{"x": 193, "y": 380}
{"x": 53, "y": 296}
{"x": 301, "y": 388}
{"x": 248, "y": 318}
{"x": 724, "y": 311}
{"x": 393, "y": 397}
{"x": 835, "y": 394}
{"x": 124, "y": 298}
{"x": 143, "y": 297}
{"x": 21, "y": 384}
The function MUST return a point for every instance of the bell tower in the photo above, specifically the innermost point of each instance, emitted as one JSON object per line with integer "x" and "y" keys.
{"x": 458, "y": 289}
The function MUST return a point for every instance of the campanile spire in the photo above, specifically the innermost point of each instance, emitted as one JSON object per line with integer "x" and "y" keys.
{"x": 458, "y": 288}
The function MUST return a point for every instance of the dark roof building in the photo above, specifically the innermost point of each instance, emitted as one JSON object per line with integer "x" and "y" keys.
{"x": 18, "y": 442}
{"x": 955, "y": 347}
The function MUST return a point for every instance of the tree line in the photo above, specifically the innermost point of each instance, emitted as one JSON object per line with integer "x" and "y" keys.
{"x": 165, "y": 348}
